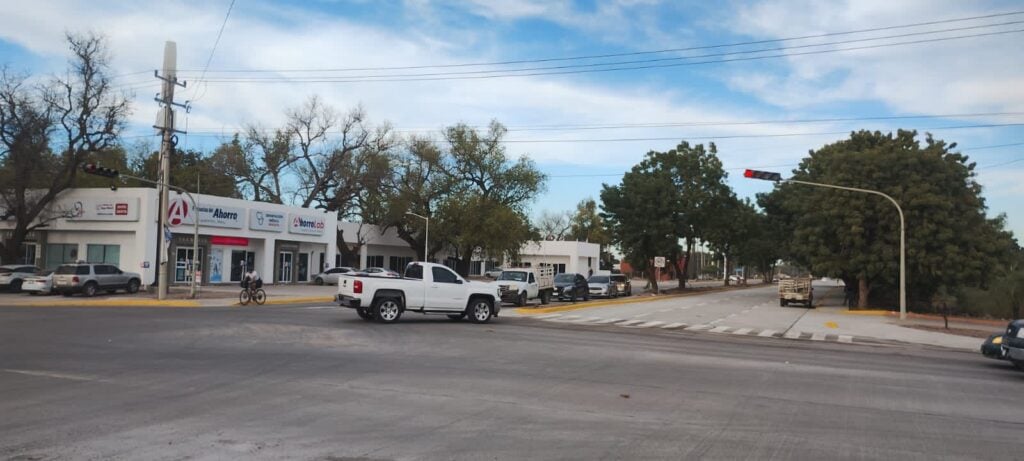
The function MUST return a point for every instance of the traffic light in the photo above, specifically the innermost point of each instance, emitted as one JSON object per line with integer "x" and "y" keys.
{"x": 97, "y": 170}
{"x": 765, "y": 175}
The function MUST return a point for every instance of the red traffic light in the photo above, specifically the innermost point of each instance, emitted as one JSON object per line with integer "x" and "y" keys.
{"x": 765, "y": 175}
{"x": 92, "y": 168}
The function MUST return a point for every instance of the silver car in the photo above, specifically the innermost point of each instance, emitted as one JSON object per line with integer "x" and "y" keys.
{"x": 330, "y": 276}
{"x": 88, "y": 279}
{"x": 602, "y": 286}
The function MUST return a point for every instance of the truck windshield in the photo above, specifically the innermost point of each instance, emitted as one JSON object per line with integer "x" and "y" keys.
{"x": 513, "y": 276}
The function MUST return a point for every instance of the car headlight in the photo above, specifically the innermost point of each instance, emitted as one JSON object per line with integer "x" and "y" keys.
{"x": 997, "y": 340}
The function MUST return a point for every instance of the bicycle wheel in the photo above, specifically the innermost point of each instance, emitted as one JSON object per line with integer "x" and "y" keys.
{"x": 243, "y": 297}
{"x": 260, "y": 296}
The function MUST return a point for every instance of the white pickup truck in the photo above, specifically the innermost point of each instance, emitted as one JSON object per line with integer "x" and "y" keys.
{"x": 426, "y": 288}
{"x": 519, "y": 285}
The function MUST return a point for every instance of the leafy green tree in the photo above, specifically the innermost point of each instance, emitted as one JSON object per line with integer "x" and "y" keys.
{"x": 490, "y": 193}
{"x": 47, "y": 132}
{"x": 855, "y": 236}
{"x": 637, "y": 215}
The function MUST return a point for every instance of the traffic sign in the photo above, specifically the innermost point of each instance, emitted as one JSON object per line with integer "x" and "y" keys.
{"x": 659, "y": 261}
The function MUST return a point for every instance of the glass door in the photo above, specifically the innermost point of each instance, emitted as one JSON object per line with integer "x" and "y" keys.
{"x": 241, "y": 262}
{"x": 284, "y": 266}
{"x": 303, "y": 267}
{"x": 183, "y": 262}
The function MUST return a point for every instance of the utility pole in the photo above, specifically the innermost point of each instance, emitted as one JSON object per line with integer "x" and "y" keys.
{"x": 165, "y": 124}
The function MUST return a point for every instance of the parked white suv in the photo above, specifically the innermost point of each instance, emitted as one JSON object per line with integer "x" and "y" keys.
{"x": 87, "y": 279}
{"x": 13, "y": 275}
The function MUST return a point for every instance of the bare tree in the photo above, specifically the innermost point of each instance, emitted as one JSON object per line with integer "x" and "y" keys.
{"x": 50, "y": 130}
{"x": 554, "y": 225}
{"x": 260, "y": 166}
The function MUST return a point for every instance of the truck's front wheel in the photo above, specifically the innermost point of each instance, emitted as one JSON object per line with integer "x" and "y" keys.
{"x": 521, "y": 301}
{"x": 387, "y": 310}
{"x": 480, "y": 310}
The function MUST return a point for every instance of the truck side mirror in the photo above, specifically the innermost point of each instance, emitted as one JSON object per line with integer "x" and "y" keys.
{"x": 458, "y": 281}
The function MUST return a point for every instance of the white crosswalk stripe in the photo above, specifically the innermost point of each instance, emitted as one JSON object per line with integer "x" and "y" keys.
{"x": 673, "y": 326}
{"x": 652, "y": 323}
{"x": 791, "y": 335}
{"x": 698, "y": 327}
{"x": 719, "y": 329}
{"x": 629, "y": 323}
{"x": 742, "y": 331}
{"x": 585, "y": 320}
{"x": 818, "y": 337}
{"x": 547, "y": 316}
{"x": 606, "y": 321}
{"x": 766, "y": 333}
{"x": 845, "y": 338}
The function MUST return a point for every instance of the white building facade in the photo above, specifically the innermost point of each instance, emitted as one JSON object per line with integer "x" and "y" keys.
{"x": 565, "y": 256}
{"x": 284, "y": 244}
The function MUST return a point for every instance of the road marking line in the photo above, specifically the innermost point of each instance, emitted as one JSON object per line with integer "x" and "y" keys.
{"x": 629, "y": 323}
{"x": 766, "y": 333}
{"x": 51, "y": 374}
{"x": 818, "y": 337}
{"x": 845, "y": 338}
{"x": 731, "y": 316}
{"x": 673, "y": 326}
{"x": 645, "y": 314}
{"x": 742, "y": 331}
{"x": 664, "y": 310}
{"x": 831, "y": 324}
{"x": 745, "y": 312}
{"x": 606, "y": 321}
{"x": 320, "y": 307}
{"x": 569, "y": 318}
{"x": 698, "y": 327}
{"x": 792, "y": 335}
{"x": 652, "y": 323}
{"x": 719, "y": 329}
{"x": 547, "y": 316}
{"x": 585, "y": 320}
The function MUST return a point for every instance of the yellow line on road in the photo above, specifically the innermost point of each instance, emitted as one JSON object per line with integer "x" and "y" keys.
{"x": 831, "y": 324}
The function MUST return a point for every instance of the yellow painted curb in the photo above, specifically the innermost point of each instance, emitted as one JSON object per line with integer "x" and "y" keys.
{"x": 615, "y": 302}
{"x": 119, "y": 303}
{"x": 878, "y": 312}
{"x": 307, "y": 299}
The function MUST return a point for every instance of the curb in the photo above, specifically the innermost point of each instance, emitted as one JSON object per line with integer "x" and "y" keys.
{"x": 528, "y": 311}
{"x": 116, "y": 303}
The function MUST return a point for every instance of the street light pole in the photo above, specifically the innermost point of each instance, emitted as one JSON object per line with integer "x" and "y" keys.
{"x": 426, "y": 235}
{"x": 903, "y": 236}
{"x": 771, "y": 176}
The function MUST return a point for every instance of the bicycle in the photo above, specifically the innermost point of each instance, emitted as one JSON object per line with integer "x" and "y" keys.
{"x": 252, "y": 294}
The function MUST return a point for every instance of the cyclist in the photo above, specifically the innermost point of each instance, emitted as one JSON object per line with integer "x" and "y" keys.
{"x": 252, "y": 279}
{"x": 251, "y": 288}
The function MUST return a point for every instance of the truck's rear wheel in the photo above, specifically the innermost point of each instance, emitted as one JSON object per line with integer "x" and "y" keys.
{"x": 545, "y": 297}
{"x": 364, "y": 314}
{"x": 480, "y": 310}
{"x": 387, "y": 310}
{"x": 783, "y": 303}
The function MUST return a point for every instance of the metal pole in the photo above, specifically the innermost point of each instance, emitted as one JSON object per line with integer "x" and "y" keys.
{"x": 426, "y": 236}
{"x": 195, "y": 224}
{"x": 903, "y": 235}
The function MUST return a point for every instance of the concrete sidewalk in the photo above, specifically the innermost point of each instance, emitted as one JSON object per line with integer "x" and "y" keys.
{"x": 208, "y": 296}
{"x": 830, "y": 317}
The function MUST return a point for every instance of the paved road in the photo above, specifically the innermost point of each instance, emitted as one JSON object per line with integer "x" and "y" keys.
{"x": 314, "y": 382}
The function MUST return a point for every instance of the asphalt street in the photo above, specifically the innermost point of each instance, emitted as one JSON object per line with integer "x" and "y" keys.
{"x": 316, "y": 382}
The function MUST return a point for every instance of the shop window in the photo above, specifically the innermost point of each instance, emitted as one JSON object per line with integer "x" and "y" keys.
{"x": 398, "y": 263}
{"x": 103, "y": 254}
{"x": 375, "y": 261}
{"x": 61, "y": 253}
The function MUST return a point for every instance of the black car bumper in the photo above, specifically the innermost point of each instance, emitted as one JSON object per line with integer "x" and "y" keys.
{"x": 348, "y": 301}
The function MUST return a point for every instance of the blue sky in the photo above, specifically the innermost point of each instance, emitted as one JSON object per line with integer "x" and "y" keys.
{"x": 978, "y": 75}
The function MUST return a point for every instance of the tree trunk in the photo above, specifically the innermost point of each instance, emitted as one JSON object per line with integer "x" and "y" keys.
{"x": 863, "y": 290}
{"x": 686, "y": 264}
{"x": 653, "y": 278}
{"x": 464, "y": 262}
{"x": 12, "y": 247}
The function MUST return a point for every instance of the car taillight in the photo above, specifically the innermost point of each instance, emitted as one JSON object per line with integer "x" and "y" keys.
{"x": 357, "y": 286}
{"x": 74, "y": 279}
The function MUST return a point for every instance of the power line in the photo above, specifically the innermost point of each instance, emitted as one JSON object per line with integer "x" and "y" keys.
{"x": 214, "y": 49}
{"x": 609, "y": 126}
{"x": 614, "y": 63}
{"x": 635, "y": 53}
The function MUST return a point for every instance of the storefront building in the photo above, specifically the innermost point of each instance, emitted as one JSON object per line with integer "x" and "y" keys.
{"x": 284, "y": 244}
